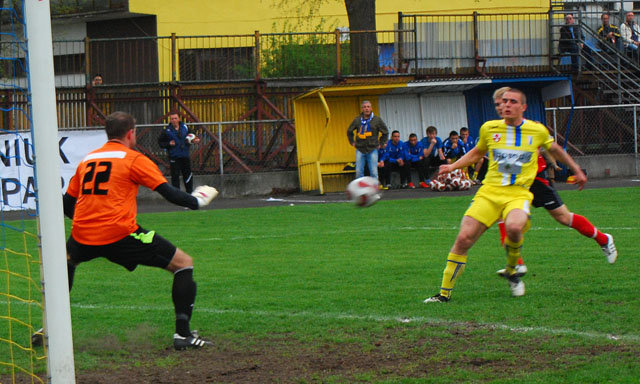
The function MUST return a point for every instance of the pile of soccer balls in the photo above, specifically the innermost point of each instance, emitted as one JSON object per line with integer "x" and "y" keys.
{"x": 364, "y": 191}
{"x": 452, "y": 181}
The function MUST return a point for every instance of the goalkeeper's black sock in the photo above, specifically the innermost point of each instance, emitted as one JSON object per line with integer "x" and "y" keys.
{"x": 71, "y": 272}
{"x": 184, "y": 295}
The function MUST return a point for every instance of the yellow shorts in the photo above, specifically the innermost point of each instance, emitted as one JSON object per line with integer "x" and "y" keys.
{"x": 491, "y": 203}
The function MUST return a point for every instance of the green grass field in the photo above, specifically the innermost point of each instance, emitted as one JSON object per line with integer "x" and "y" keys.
{"x": 333, "y": 293}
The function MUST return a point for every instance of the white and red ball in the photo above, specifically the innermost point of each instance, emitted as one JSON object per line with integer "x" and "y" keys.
{"x": 190, "y": 138}
{"x": 465, "y": 185}
{"x": 364, "y": 191}
{"x": 441, "y": 187}
{"x": 455, "y": 182}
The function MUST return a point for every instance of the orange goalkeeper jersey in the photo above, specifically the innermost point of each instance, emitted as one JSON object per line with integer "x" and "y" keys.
{"x": 106, "y": 185}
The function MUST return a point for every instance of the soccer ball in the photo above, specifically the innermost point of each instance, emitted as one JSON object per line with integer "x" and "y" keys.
{"x": 363, "y": 191}
{"x": 190, "y": 137}
{"x": 440, "y": 186}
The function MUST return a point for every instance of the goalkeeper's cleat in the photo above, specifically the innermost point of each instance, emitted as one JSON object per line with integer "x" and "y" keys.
{"x": 37, "y": 339}
{"x": 521, "y": 270}
{"x": 516, "y": 285}
{"x": 204, "y": 194}
{"x": 610, "y": 250}
{"x": 437, "y": 299}
{"x": 180, "y": 343}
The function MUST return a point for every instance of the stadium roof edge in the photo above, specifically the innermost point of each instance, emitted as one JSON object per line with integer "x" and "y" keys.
{"x": 428, "y": 86}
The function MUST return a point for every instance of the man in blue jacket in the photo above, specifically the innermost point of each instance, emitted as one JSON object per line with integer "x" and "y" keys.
{"x": 177, "y": 139}
{"x": 453, "y": 148}
{"x": 396, "y": 161}
{"x": 433, "y": 156}
{"x": 415, "y": 159}
{"x": 383, "y": 156}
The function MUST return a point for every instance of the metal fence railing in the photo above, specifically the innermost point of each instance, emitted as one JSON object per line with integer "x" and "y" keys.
{"x": 454, "y": 44}
{"x": 471, "y": 43}
{"x": 227, "y": 147}
{"x": 596, "y": 130}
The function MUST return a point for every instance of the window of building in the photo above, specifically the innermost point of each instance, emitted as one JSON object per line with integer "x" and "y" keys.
{"x": 216, "y": 64}
{"x": 68, "y": 64}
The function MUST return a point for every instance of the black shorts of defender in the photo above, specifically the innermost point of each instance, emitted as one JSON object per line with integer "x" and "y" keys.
{"x": 545, "y": 195}
{"x": 142, "y": 247}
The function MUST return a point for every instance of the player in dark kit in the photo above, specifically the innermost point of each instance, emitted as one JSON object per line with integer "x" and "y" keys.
{"x": 545, "y": 195}
{"x": 101, "y": 200}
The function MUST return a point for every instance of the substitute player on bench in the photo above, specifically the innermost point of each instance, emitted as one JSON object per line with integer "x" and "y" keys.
{"x": 545, "y": 195}
{"x": 512, "y": 145}
{"x": 101, "y": 200}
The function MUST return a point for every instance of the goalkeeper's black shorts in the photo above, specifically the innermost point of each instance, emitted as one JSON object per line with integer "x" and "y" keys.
{"x": 141, "y": 247}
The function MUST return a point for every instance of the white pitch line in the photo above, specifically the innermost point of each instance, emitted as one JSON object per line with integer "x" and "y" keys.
{"x": 376, "y": 318}
{"x": 273, "y": 200}
{"x": 377, "y": 229}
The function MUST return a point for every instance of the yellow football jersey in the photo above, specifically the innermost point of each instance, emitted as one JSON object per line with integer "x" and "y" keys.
{"x": 513, "y": 151}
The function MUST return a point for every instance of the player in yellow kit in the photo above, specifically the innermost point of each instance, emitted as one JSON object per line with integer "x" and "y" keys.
{"x": 512, "y": 145}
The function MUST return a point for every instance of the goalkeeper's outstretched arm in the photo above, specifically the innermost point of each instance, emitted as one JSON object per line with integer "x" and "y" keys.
{"x": 68, "y": 205}
{"x": 203, "y": 195}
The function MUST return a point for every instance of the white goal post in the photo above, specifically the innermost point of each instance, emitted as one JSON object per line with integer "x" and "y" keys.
{"x": 49, "y": 193}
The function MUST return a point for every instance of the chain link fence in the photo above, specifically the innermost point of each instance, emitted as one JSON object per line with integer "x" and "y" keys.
{"x": 229, "y": 147}
{"x": 597, "y": 130}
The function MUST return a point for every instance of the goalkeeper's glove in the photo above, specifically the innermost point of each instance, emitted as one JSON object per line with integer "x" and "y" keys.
{"x": 204, "y": 194}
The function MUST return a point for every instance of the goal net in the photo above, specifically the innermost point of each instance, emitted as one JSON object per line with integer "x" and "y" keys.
{"x": 31, "y": 222}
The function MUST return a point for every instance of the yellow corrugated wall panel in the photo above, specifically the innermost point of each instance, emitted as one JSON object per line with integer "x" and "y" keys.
{"x": 310, "y": 120}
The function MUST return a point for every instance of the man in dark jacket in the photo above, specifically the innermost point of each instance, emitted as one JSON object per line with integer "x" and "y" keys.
{"x": 177, "y": 139}
{"x": 367, "y": 133}
{"x": 571, "y": 40}
{"x": 609, "y": 34}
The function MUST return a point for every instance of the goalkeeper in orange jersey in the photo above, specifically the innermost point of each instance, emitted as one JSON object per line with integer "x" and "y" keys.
{"x": 512, "y": 145}
{"x": 101, "y": 200}
{"x": 545, "y": 195}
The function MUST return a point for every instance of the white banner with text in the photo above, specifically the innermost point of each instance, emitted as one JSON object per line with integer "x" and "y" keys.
{"x": 17, "y": 163}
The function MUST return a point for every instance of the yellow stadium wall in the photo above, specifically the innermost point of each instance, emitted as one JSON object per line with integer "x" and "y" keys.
{"x": 310, "y": 123}
{"x": 217, "y": 17}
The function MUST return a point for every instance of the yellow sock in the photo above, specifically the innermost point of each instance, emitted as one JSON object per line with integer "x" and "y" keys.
{"x": 513, "y": 254}
{"x": 453, "y": 270}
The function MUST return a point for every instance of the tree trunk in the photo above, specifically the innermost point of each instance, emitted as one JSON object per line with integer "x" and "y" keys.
{"x": 364, "y": 45}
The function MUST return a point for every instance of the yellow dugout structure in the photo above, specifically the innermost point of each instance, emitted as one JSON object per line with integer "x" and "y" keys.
{"x": 322, "y": 117}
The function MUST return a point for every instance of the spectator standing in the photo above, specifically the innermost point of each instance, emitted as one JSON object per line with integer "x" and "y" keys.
{"x": 366, "y": 134}
{"x": 97, "y": 80}
{"x": 177, "y": 139}
{"x": 571, "y": 41}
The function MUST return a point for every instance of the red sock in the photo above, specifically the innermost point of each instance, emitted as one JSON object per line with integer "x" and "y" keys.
{"x": 584, "y": 226}
{"x": 503, "y": 232}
